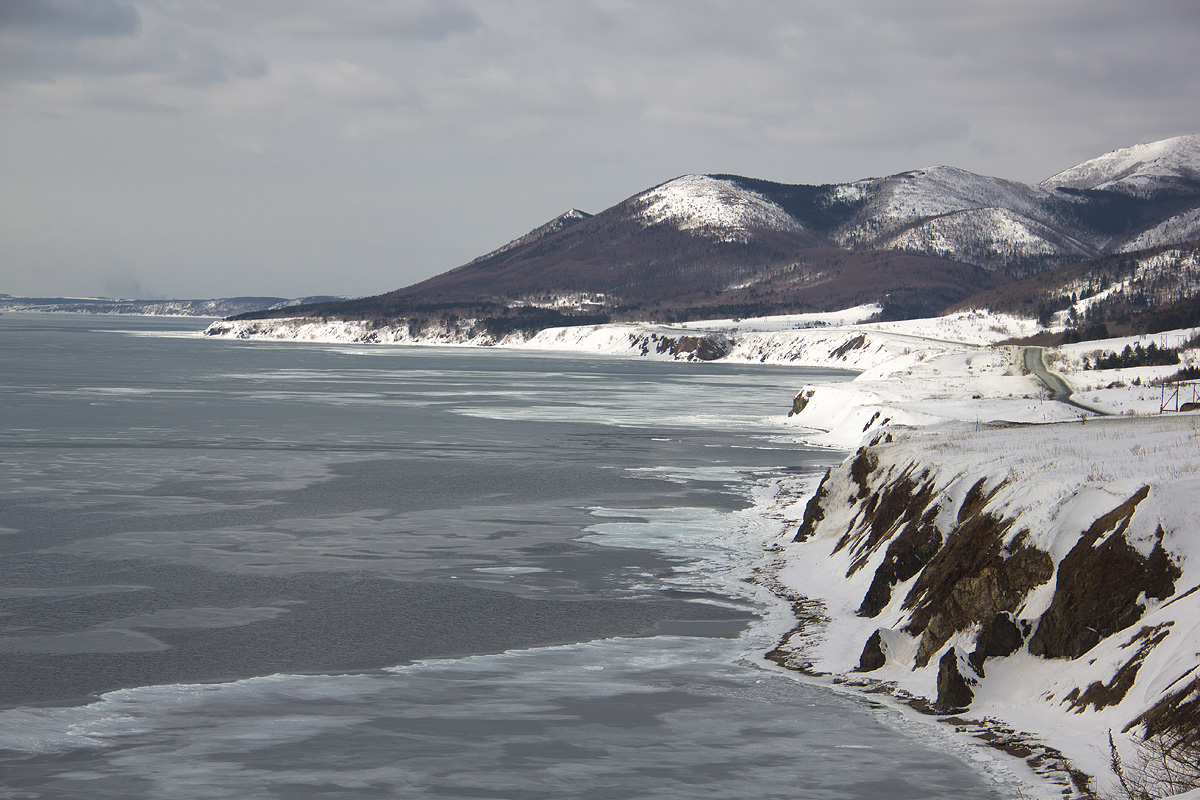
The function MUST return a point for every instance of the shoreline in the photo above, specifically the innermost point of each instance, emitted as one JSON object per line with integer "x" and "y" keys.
{"x": 916, "y": 375}
{"x": 1064, "y": 485}
{"x": 925, "y": 377}
{"x": 1044, "y": 765}
{"x": 1045, "y": 762}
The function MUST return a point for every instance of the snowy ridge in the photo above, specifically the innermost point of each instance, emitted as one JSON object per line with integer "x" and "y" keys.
{"x": 712, "y": 207}
{"x": 1136, "y": 170}
{"x": 980, "y": 235}
{"x": 1184, "y": 227}
{"x": 901, "y": 200}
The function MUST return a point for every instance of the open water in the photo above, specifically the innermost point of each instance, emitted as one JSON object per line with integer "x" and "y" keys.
{"x": 255, "y": 570}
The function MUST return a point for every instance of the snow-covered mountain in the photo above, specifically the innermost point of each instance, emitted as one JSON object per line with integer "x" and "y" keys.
{"x": 713, "y": 208}
{"x": 899, "y": 201}
{"x": 915, "y": 242}
{"x": 1142, "y": 170}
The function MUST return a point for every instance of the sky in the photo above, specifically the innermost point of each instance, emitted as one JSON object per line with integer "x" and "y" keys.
{"x": 218, "y": 148}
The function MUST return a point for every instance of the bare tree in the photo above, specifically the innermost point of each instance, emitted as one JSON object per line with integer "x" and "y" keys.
{"x": 1163, "y": 765}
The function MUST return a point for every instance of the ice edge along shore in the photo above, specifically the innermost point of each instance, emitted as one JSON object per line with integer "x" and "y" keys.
{"x": 955, "y": 520}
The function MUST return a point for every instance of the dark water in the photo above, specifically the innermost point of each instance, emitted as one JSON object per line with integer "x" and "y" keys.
{"x": 334, "y": 571}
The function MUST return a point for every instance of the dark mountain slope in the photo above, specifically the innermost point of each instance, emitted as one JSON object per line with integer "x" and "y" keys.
{"x": 1142, "y": 292}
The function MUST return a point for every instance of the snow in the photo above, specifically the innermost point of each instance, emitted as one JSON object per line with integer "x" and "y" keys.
{"x": 713, "y": 207}
{"x": 782, "y": 322}
{"x": 851, "y": 192}
{"x": 1136, "y": 169}
{"x": 988, "y": 232}
{"x": 898, "y": 201}
{"x": 1182, "y": 227}
{"x": 950, "y": 412}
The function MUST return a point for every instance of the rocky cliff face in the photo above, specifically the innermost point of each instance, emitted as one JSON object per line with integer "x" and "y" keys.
{"x": 963, "y": 565}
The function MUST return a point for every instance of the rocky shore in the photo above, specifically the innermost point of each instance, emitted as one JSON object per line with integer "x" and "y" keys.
{"x": 1036, "y": 584}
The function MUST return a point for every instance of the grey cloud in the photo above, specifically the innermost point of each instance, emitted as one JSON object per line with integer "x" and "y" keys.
{"x": 415, "y": 20}
{"x": 434, "y": 24}
{"x": 371, "y": 143}
{"x": 70, "y": 18}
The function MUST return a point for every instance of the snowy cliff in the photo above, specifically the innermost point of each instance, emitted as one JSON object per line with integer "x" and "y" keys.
{"x": 837, "y": 339}
{"x": 1031, "y": 577}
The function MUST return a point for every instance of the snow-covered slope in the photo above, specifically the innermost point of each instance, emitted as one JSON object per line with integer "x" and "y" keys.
{"x": 957, "y": 214}
{"x": 899, "y": 200}
{"x": 987, "y": 235}
{"x": 1141, "y": 170}
{"x": 714, "y": 208}
{"x": 1044, "y": 577}
{"x": 1182, "y": 227}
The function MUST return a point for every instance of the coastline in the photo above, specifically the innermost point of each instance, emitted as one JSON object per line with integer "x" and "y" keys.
{"x": 1062, "y": 477}
{"x": 1021, "y": 757}
{"x": 943, "y": 383}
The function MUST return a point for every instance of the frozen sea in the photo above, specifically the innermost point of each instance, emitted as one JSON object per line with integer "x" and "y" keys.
{"x": 257, "y": 570}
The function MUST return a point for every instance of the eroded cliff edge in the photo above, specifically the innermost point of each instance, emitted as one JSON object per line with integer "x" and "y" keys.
{"x": 1045, "y": 576}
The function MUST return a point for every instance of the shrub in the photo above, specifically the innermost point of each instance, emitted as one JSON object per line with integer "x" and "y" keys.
{"x": 1163, "y": 765}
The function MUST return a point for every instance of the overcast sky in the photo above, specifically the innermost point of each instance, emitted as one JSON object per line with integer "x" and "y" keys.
{"x": 212, "y": 148}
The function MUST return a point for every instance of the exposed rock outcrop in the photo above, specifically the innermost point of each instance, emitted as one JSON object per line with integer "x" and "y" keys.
{"x": 702, "y": 347}
{"x": 1100, "y": 586}
{"x": 965, "y": 568}
{"x": 873, "y": 656}
{"x": 1001, "y": 636}
{"x": 953, "y": 690}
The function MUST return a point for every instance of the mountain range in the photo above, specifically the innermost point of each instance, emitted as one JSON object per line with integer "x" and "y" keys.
{"x": 220, "y": 307}
{"x": 916, "y": 242}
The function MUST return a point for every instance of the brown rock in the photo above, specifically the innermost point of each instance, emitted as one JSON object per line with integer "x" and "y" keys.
{"x": 872, "y": 657}
{"x": 1099, "y": 586}
{"x": 954, "y": 692}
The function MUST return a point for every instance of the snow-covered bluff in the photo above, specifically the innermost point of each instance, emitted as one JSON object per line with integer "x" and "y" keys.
{"x": 990, "y": 550}
{"x": 838, "y": 339}
{"x": 1047, "y": 577}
